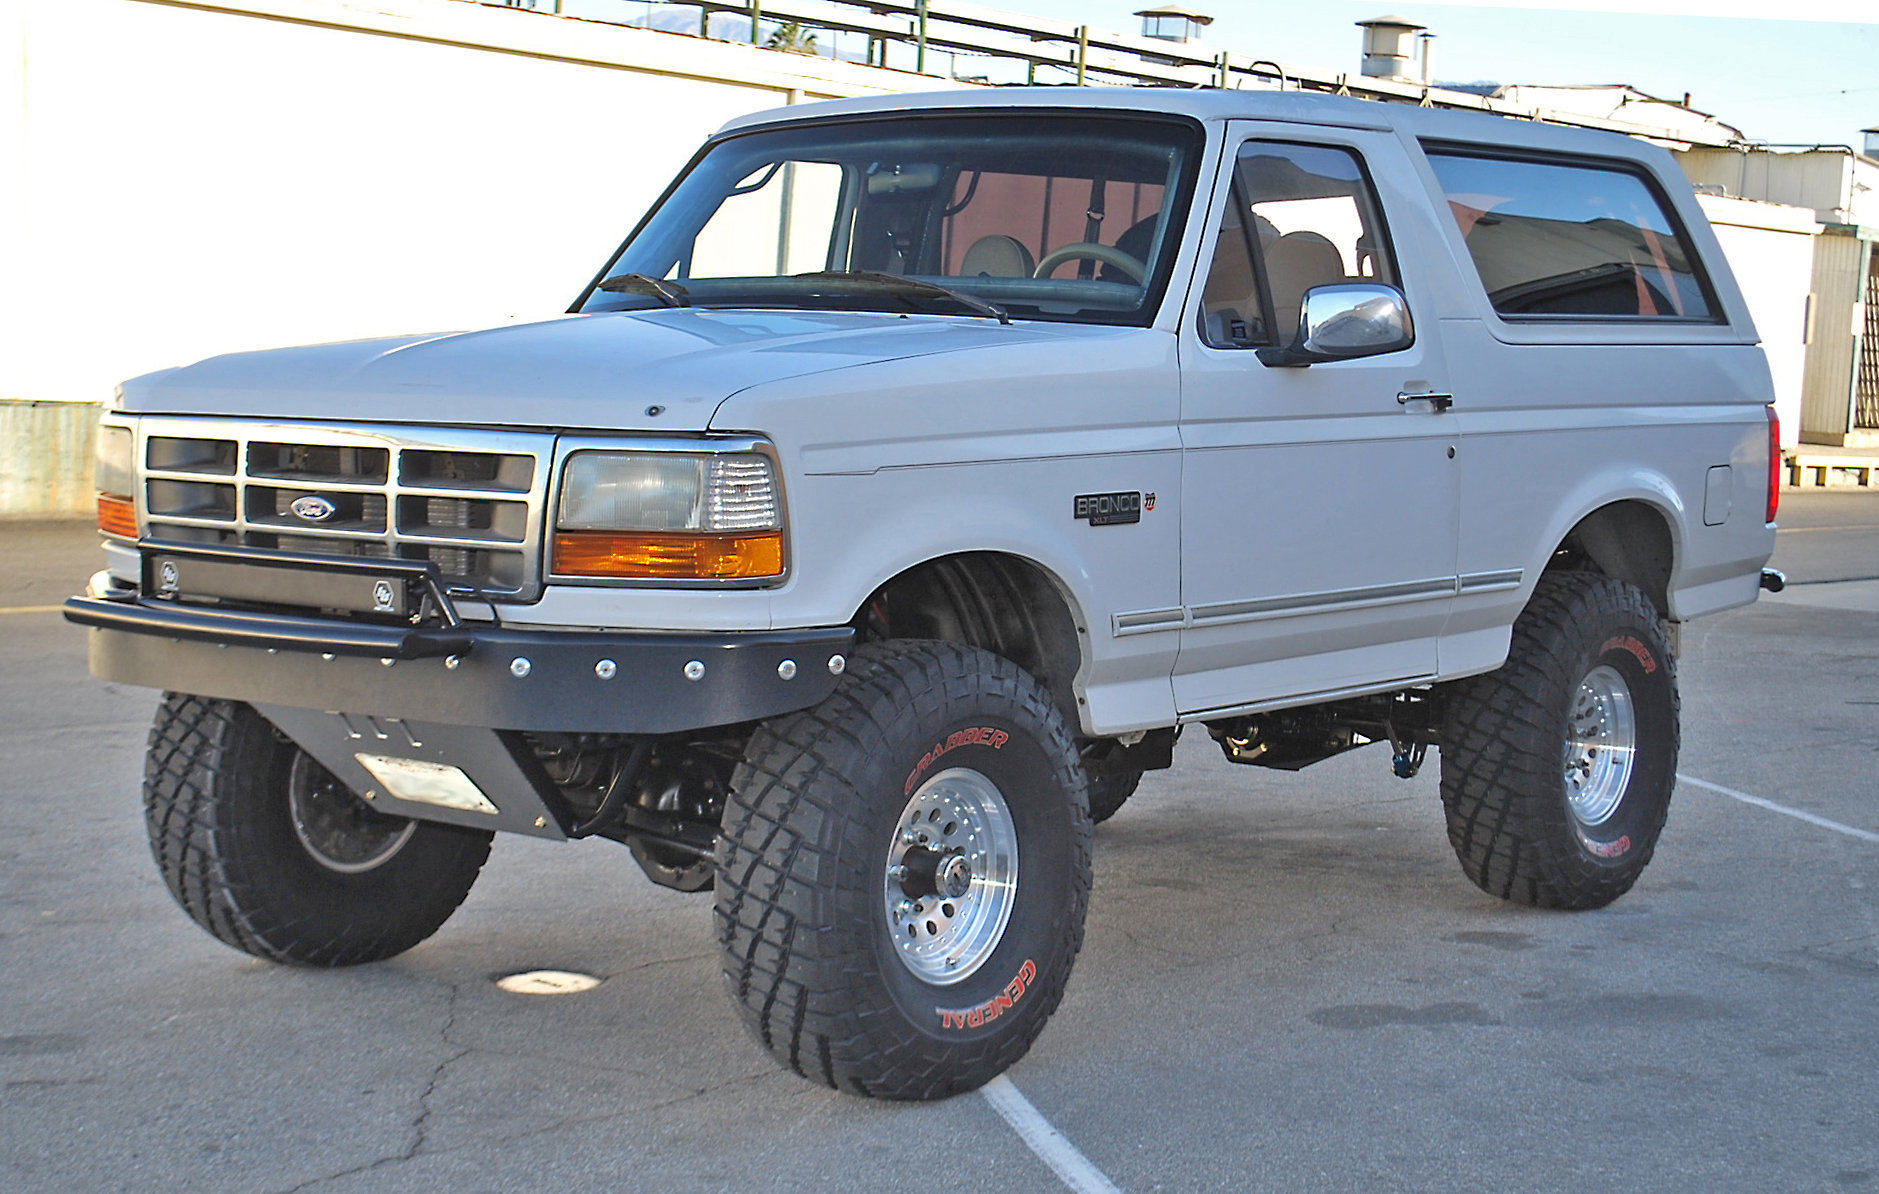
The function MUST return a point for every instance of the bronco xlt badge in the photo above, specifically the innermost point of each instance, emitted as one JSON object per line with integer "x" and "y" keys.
{"x": 1109, "y": 509}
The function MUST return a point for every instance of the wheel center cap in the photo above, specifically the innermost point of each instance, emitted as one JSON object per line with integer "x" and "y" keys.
{"x": 923, "y": 872}
{"x": 954, "y": 877}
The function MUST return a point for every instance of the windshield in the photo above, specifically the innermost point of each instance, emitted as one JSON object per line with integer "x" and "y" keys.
{"x": 1039, "y": 216}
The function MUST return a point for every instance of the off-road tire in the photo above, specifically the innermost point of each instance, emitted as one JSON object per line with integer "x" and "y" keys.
{"x": 216, "y": 807}
{"x": 1109, "y": 792}
{"x": 1504, "y": 748}
{"x": 813, "y": 814}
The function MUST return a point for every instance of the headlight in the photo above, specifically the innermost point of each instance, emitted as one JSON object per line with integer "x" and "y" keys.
{"x": 115, "y": 474}
{"x": 669, "y": 516}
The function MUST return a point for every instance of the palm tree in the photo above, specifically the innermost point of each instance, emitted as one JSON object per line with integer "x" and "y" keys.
{"x": 793, "y": 37}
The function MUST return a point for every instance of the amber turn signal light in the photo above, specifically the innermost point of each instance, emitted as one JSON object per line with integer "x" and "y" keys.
{"x": 117, "y": 516}
{"x": 644, "y": 556}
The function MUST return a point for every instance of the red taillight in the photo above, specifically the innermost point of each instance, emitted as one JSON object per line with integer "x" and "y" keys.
{"x": 1774, "y": 464}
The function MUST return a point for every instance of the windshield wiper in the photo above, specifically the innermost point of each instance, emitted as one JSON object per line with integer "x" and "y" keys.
{"x": 870, "y": 279}
{"x": 670, "y": 294}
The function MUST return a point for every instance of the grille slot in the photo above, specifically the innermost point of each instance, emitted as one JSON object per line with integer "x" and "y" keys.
{"x": 496, "y": 570}
{"x": 192, "y": 499}
{"x": 353, "y": 512}
{"x": 469, "y": 501}
{"x": 191, "y": 455}
{"x": 463, "y": 518}
{"x": 322, "y": 545}
{"x": 466, "y": 470}
{"x": 319, "y": 462}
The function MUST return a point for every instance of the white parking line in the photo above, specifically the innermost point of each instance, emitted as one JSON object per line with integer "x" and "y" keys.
{"x": 1864, "y": 835}
{"x": 1046, "y": 1141}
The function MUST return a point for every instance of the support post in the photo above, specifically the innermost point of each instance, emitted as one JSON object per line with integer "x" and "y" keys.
{"x": 919, "y": 57}
{"x": 1083, "y": 51}
{"x": 756, "y": 22}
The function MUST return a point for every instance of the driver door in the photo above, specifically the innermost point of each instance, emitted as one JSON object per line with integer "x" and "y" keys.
{"x": 1319, "y": 513}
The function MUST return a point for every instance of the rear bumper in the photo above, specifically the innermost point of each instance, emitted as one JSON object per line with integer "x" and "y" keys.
{"x": 470, "y": 674}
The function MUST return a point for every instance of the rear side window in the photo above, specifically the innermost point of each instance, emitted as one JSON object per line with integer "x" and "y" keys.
{"x": 1571, "y": 239}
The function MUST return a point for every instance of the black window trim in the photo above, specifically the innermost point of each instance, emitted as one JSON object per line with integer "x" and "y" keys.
{"x": 1438, "y": 147}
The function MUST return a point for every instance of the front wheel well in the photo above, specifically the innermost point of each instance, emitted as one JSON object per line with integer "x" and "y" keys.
{"x": 1629, "y": 541}
{"x": 1001, "y": 603}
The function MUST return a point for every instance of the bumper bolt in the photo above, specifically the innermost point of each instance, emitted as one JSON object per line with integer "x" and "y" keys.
{"x": 452, "y": 662}
{"x": 837, "y": 665}
{"x": 786, "y": 670}
{"x": 606, "y": 669}
{"x": 695, "y": 670}
{"x": 520, "y": 666}
{"x": 386, "y": 661}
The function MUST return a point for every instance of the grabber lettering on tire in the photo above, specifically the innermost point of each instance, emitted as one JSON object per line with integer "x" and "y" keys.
{"x": 1557, "y": 769}
{"x": 903, "y": 873}
{"x": 272, "y": 855}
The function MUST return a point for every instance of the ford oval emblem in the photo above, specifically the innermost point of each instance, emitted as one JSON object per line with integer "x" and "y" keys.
{"x": 313, "y": 508}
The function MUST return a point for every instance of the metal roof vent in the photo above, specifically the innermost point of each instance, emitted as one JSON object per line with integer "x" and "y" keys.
{"x": 1389, "y": 47}
{"x": 1171, "y": 22}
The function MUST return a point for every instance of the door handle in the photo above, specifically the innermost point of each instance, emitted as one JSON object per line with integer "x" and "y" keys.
{"x": 1440, "y": 402}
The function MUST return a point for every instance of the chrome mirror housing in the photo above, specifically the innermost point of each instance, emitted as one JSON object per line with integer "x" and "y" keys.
{"x": 1344, "y": 321}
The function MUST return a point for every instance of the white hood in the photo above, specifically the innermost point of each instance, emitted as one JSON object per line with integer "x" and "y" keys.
{"x": 581, "y": 372}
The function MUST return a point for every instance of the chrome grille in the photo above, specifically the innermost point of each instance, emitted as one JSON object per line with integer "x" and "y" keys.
{"x": 469, "y": 501}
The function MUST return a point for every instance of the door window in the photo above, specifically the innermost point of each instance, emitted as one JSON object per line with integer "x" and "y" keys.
{"x": 1299, "y": 216}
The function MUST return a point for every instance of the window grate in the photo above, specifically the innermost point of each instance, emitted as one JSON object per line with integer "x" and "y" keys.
{"x": 1866, "y": 387}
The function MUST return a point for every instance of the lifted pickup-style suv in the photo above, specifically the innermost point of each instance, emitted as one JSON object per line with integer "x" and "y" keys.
{"x": 912, "y": 476}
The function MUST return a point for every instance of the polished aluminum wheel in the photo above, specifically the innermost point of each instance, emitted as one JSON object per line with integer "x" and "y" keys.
{"x": 952, "y": 876}
{"x": 342, "y": 832}
{"x": 1601, "y": 746}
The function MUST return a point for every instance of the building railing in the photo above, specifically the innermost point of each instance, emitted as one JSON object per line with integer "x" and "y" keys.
{"x": 1064, "y": 51}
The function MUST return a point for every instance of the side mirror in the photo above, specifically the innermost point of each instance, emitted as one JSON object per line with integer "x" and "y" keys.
{"x": 1344, "y": 321}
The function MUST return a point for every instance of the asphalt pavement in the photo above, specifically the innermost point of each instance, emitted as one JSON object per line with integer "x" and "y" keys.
{"x": 1287, "y": 983}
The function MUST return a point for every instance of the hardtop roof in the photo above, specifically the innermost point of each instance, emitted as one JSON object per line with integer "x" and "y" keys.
{"x": 1212, "y": 105}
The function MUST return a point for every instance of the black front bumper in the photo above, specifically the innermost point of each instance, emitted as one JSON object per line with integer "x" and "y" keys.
{"x": 469, "y": 674}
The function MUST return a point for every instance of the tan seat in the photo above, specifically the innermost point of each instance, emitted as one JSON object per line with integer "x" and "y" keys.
{"x": 1230, "y": 300}
{"x": 1295, "y": 263}
{"x": 997, "y": 257}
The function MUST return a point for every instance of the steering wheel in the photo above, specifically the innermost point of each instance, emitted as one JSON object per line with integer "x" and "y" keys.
{"x": 1091, "y": 249}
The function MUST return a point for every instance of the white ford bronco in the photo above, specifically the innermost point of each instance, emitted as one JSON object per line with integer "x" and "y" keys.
{"x": 915, "y": 472}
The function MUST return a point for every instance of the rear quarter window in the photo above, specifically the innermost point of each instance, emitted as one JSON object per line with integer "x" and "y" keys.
{"x": 1572, "y": 239}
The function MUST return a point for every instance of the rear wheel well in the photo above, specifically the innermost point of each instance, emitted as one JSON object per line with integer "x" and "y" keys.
{"x": 1001, "y": 603}
{"x": 1626, "y": 540}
